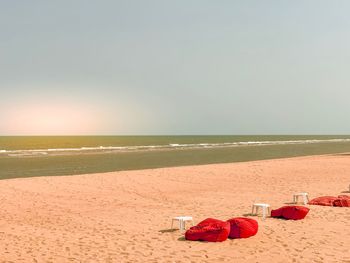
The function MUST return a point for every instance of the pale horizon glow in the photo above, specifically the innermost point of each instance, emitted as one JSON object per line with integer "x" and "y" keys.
{"x": 50, "y": 119}
{"x": 182, "y": 67}
{"x": 33, "y": 115}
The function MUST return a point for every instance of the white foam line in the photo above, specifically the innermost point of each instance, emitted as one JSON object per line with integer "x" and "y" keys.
{"x": 167, "y": 146}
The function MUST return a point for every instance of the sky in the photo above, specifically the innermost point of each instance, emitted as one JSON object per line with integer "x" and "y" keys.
{"x": 174, "y": 67}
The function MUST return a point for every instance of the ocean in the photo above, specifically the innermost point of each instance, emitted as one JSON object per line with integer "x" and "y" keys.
{"x": 25, "y": 156}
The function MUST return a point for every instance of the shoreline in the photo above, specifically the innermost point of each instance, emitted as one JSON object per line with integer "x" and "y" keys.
{"x": 301, "y": 157}
{"x": 126, "y": 215}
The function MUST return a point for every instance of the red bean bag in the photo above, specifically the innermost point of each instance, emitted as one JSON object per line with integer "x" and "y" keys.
{"x": 290, "y": 212}
{"x": 210, "y": 229}
{"x": 340, "y": 201}
{"x": 242, "y": 227}
{"x": 323, "y": 200}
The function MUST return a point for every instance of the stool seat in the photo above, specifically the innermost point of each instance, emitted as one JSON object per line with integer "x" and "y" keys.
{"x": 185, "y": 218}
{"x": 182, "y": 221}
{"x": 261, "y": 204}
{"x": 265, "y": 209}
{"x": 304, "y": 195}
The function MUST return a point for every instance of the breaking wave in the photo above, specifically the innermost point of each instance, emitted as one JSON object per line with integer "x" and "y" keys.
{"x": 61, "y": 151}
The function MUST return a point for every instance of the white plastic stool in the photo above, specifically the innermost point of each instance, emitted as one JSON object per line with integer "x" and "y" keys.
{"x": 265, "y": 209}
{"x": 182, "y": 220}
{"x": 305, "y": 197}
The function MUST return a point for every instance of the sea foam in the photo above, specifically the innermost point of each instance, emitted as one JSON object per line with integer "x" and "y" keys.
{"x": 55, "y": 151}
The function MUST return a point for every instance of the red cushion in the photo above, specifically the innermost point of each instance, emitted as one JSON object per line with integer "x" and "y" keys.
{"x": 242, "y": 227}
{"x": 341, "y": 201}
{"x": 323, "y": 200}
{"x": 210, "y": 229}
{"x": 290, "y": 212}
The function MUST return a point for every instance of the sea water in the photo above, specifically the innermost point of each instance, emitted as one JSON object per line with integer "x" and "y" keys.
{"x": 22, "y": 156}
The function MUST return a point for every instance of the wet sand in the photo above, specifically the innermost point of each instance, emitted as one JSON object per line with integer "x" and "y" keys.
{"x": 125, "y": 216}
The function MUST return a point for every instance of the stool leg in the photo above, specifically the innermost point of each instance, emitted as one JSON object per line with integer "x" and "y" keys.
{"x": 172, "y": 223}
{"x": 294, "y": 201}
{"x": 307, "y": 198}
{"x": 264, "y": 212}
{"x": 304, "y": 199}
{"x": 192, "y": 223}
{"x": 252, "y": 209}
{"x": 181, "y": 225}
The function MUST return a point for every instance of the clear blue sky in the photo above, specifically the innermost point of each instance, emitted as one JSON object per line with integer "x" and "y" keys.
{"x": 174, "y": 67}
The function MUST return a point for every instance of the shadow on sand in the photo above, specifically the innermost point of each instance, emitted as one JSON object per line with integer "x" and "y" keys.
{"x": 168, "y": 230}
{"x": 248, "y": 214}
{"x": 182, "y": 238}
{"x": 292, "y": 203}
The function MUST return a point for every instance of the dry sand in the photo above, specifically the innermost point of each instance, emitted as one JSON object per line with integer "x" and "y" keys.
{"x": 126, "y": 216}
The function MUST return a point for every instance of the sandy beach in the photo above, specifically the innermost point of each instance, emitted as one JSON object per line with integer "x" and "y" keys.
{"x": 126, "y": 216}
